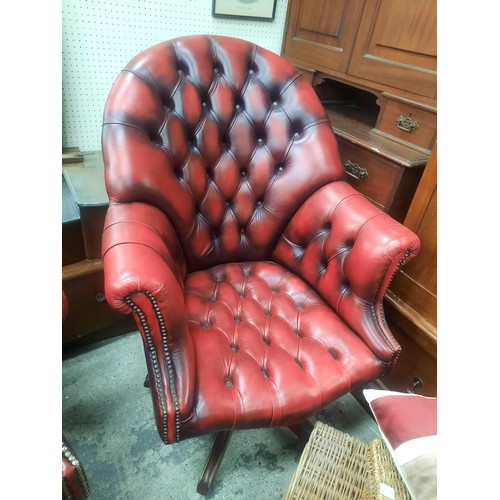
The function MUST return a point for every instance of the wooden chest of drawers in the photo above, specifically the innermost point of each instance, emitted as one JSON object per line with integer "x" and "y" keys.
{"x": 387, "y": 183}
{"x": 84, "y": 207}
{"x": 407, "y": 121}
{"x": 89, "y": 316}
{"x": 373, "y": 64}
{"x": 385, "y": 171}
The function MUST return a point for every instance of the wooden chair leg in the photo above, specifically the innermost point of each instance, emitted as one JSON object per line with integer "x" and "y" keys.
{"x": 302, "y": 430}
{"x": 213, "y": 462}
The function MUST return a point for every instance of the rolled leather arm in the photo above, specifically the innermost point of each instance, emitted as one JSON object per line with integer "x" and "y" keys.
{"x": 349, "y": 251}
{"x": 144, "y": 272}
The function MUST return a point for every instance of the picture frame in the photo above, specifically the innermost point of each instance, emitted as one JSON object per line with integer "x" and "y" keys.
{"x": 261, "y": 10}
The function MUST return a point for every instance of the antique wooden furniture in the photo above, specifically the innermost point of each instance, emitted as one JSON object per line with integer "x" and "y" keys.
{"x": 254, "y": 273}
{"x": 411, "y": 301}
{"x": 373, "y": 63}
{"x": 84, "y": 204}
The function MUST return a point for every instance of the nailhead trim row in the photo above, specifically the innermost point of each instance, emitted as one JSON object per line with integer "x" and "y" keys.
{"x": 65, "y": 491}
{"x": 170, "y": 370}
{"x": 82, "y": 478}
{"x": 154, "y": 362}
{"x": 395, "y": 355}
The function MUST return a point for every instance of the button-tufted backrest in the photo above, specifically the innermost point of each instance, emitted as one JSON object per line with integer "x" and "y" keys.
{"x": 225, "y": 137}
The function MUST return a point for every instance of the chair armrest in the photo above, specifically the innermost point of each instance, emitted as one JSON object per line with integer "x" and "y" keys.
{"x": 349, "y": 251}
{"x": 144, "y": 272}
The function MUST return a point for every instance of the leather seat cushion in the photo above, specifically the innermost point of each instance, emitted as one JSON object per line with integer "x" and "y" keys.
{"x": 269, "y": 351}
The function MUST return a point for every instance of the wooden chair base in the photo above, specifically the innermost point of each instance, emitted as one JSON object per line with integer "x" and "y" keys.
{"x": 213, "y": 462}
{"x": 302, "y": 430}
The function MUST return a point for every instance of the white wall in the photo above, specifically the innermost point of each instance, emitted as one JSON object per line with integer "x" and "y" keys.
{"x": 100, "y": 36}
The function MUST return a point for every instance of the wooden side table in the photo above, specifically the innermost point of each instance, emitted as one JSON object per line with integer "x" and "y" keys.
{"x": 85, "y": 202}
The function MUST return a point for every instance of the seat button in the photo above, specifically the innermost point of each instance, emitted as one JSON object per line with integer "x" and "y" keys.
{"x": 296, "y": 135}
{"x": 216, "y": 70}
{"x": 251, "y": 72}
{"x": 259, "y": 140}
{"x": 238, "y": 106}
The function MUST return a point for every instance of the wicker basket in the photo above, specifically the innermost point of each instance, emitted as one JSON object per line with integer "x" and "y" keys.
{"x": 382, "y": 471}
{"x": 336, "y": 466}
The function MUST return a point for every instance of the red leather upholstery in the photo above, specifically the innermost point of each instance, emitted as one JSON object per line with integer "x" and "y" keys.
{"x": 217, "y": 134}
{"x": 265, "y": 355}
{"x": 255, "y": 274}
{"x": 74, "y": 480}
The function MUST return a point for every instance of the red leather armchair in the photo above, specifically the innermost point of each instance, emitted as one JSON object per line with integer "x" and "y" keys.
{"x": 254, "y": 272}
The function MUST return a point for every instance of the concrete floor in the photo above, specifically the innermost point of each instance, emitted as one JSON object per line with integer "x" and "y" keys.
{"x": 108, "y": 419}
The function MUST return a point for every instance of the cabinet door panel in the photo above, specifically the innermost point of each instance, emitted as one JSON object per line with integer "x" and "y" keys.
{"x": 397, "y": 45}
{"x": 322, "y": 32}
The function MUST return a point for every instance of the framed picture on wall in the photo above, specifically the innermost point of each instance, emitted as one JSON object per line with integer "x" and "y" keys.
{"x": 262, "y": 10}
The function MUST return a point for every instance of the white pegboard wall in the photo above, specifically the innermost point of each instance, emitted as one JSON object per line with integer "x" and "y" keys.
{"x": 101, "y": 36}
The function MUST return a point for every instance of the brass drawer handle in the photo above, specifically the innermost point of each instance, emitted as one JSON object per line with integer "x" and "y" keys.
{"x": 407, "y": 124}
{"x": 354, "y": 170}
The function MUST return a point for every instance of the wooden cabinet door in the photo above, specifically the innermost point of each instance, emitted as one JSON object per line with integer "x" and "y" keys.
{"x": 397, "y": 45}
{"x": 322, "y": 32}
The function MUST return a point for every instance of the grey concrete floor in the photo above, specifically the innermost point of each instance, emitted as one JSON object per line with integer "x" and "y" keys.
{"x": 107, "y": 417}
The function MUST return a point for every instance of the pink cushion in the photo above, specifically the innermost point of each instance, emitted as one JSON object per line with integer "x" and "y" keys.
{"x": 408, "y": 425}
